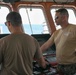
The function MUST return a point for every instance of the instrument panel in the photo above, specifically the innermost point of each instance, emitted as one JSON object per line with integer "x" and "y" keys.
{"x": 50, "y": 57}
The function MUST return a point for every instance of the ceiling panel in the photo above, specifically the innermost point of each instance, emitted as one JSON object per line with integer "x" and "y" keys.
{"x": 49, "y": 0}
{"x": 38, "y": 0}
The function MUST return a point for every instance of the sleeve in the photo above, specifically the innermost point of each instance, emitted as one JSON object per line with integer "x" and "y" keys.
{"x": 1, "y": 50}
{"x": 52, "y": 38}
{"x": 38, "y": 53}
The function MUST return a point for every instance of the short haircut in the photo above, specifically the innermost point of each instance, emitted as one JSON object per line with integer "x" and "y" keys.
{"x": 63, "y": 11}
{"x": 14, "y": 18}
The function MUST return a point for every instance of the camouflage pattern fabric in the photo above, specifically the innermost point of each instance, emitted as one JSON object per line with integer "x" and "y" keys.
{"x": 67, "y": 69}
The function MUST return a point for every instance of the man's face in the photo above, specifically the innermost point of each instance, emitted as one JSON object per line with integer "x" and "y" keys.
{"x": 58, "y": 18}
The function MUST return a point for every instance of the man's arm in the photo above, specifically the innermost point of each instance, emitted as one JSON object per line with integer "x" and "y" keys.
{"x": 47, "y": 44}
{"x": 41, "y": 61}
{"x": 39, "y": 56}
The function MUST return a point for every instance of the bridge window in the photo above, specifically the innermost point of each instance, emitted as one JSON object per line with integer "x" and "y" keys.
{"x": 33, "y": 20}
{"x": 72, "y": 16}
{"x": 3, "y": 13}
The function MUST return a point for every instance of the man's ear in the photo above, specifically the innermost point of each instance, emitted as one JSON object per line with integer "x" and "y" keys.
{"x": 9, "y": 23}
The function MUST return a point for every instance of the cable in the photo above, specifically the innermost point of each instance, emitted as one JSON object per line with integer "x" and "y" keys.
{"x": 29, "y": 20}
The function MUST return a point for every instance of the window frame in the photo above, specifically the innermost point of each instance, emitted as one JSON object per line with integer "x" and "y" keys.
{"x": 35, "y": 6}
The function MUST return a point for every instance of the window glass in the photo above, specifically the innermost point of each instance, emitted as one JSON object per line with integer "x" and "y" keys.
{"x": 72, "y": 18}
{"x": 3, "y": 13}
{"x": 33, "y": 20}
